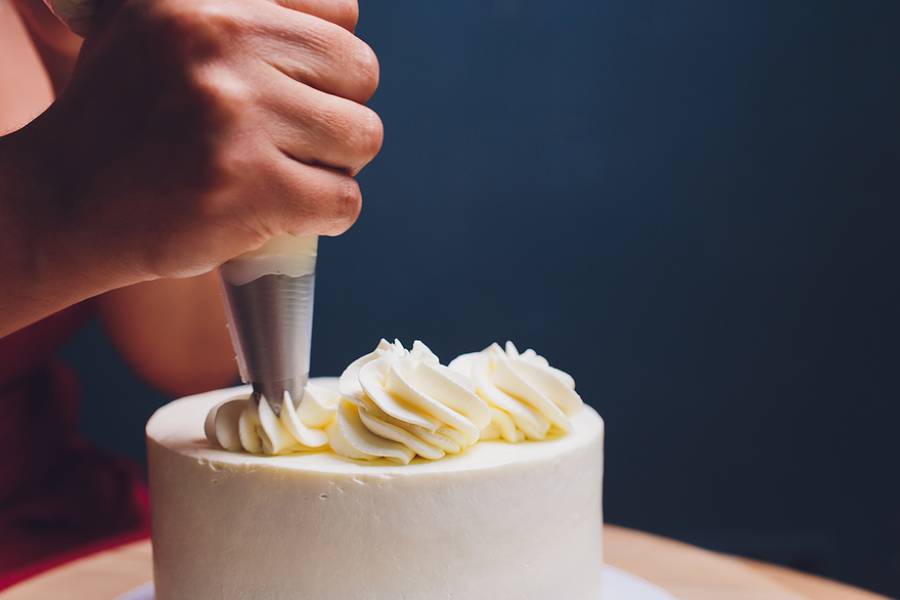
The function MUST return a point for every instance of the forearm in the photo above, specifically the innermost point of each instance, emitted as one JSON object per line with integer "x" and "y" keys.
{"x": 39, "y": 275}
{"x": 172, "y": 332}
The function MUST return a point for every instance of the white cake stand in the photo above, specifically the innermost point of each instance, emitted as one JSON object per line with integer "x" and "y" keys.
{"x": 617, "y": 585}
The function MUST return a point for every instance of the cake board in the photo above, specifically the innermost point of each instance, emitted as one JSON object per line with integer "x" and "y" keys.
{"x": 618, "y": 585}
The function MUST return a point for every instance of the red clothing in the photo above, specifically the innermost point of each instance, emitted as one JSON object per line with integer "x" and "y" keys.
{"x": 58, "y": 494}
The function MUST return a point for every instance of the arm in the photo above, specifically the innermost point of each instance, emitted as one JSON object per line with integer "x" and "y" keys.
{"x": 39, "y": 277}
{"x": 252, "y": 111}
{"x": 171, "y": 332}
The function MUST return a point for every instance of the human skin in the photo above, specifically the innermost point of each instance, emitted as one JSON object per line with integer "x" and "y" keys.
{"x": 188, "y": 133}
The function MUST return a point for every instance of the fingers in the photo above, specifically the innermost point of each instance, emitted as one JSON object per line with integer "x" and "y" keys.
{"x": 344, "y": 13}
{"x": 315, "y": 200}
{"x": 321, "y": 129}
{"x": 320, "y": 54}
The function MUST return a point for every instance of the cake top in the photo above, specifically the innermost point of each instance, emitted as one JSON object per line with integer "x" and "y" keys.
{"x": 178, "y": 427}
{"x": 396, "y": 404}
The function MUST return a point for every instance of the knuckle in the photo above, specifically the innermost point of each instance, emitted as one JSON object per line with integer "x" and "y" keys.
{"x": 221, "y": 23}
{"x": 370, "y": 134}
{"x": 223, "y": 97}
{"x": 357, "y": 130}
{"x": 348, "y": 58}
{"x": 348, "y": 203}
{"x": 198, "y": 29}
{"x": 367, "y": 69}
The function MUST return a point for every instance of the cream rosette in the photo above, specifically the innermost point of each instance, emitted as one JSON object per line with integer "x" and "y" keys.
{"x": 242, "y": 424}
{"x": 528, "y": 398}
{"x": 398, "y": 404}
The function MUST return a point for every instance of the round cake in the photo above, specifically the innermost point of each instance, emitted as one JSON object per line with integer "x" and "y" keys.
{"x": 497, "y": 520}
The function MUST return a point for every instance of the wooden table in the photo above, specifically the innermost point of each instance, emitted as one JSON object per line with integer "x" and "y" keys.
{"x": 688, "y": 572}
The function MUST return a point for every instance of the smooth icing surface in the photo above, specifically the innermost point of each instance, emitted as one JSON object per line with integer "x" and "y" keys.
{"x": 497, "y": 521}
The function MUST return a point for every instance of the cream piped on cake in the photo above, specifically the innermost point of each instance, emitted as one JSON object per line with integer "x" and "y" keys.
{"x": 397, "y": 404}
{"x": 393, "y": 403}
{"x": 528, "y": 398}
{"x": 242, "y": 424}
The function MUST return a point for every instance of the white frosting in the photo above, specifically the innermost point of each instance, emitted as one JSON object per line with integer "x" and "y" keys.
{"x": 399, "y": 404}
{"x": 499, "y": 521}
{"x": 285, "y": 254}
{"x": 393, "y": 403}
{"x": 241, "y": 424}
{"x": 528, "y": 398}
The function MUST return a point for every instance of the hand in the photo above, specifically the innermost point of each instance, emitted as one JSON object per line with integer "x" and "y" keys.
{"x": 193, "y": 131}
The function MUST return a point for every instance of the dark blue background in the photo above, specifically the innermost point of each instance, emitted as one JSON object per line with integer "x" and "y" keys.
{"x": 690, "y": 206}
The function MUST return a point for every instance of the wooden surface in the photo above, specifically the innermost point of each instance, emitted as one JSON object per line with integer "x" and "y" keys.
{"x": 687, "y": 572}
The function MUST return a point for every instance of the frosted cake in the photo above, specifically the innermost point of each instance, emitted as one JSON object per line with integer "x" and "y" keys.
{"x": 404, "y": 478}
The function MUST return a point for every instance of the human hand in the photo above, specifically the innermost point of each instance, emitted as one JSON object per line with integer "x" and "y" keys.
{"x": 193, "y": 131}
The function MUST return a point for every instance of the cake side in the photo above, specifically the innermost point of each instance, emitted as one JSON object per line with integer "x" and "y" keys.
{"x": 498, "y": 521}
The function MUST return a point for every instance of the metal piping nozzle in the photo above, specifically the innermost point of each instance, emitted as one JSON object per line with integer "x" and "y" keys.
{"x": 270, "y": 320}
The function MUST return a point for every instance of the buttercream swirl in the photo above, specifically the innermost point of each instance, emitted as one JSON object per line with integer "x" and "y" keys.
{"x": 393, "y": 403}
{"x": 397, "y": 404}
{"x": 242, "y": 424}
{"x": 528, "y": 398}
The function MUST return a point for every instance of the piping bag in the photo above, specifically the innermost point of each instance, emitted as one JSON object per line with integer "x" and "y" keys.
{"x": 269, "y": 296}
{"x": 269, "y": 291}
